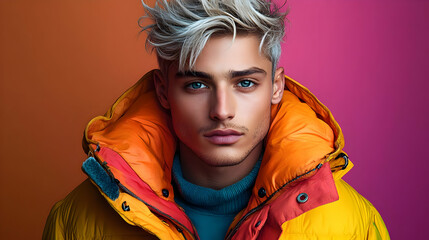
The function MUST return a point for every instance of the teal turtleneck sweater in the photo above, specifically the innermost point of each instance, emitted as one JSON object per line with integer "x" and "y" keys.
{"x": 212, "y": 211}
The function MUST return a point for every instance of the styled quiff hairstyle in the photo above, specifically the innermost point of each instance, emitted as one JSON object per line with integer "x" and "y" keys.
{"x": 181, "y": 28}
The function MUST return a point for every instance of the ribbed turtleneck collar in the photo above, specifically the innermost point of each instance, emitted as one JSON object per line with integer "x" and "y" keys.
{"x": 228, "y": 200}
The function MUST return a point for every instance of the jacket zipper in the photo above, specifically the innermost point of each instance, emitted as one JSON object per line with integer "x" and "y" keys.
{"x": 234, "y": 230}
{"x": 125, "y": 189}
{"x": 181, "y": 231}
{"x": 181, "y": 226}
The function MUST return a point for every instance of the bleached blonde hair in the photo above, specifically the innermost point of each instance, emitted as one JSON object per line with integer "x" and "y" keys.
{"x": 181, "y": 28}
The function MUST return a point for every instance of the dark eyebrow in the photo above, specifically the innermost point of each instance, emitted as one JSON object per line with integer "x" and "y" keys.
{"x": 232, "y": 73}
{"x": 194, "y": 74}
{"x": 250, "y": 71}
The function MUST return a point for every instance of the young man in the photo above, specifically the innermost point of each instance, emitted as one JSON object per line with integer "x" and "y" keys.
{"x": 218, "y": 144}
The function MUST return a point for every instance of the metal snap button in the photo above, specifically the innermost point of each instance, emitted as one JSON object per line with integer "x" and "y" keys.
{"x": 165, "y": 193}
{"x": 262, "y": 192}
{"x": 125, "y": 207}
{"x": 302, "y": 198}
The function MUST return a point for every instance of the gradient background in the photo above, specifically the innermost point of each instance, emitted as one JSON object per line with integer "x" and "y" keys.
{"x": 64, "y": 62}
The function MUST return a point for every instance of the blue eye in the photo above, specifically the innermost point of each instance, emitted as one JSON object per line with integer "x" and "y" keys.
{"x": 196, "y": 85}
{"x": 246, "y": 83}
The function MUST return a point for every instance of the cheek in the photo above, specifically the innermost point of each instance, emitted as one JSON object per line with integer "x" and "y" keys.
{"x": 257, "y": 112}
{"x": 187, "y": 113}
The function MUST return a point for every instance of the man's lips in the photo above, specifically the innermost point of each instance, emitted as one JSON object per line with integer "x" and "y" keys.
{"x": 223, "y": 136}
{"x": 222, "y": 132}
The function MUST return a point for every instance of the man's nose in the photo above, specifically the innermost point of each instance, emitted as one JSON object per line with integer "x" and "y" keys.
{"x": 222, "y": 105}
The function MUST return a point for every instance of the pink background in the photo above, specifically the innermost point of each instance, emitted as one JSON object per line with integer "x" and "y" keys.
{"x": 368, "y": 62}
{"x": 64, "y": 62}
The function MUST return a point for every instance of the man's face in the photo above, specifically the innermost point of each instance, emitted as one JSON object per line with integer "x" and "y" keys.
{"x": 221, "y": 107}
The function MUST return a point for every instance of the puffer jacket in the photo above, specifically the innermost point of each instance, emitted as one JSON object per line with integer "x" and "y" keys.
{"x": 299, "y": 192}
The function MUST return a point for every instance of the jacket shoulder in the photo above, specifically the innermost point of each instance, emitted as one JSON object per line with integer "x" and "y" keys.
{"x": 350, "y": 217}
{"x": 85, "y": 214}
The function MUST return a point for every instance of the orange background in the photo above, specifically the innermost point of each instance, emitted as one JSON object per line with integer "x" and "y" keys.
{"x": 62, "y": 63}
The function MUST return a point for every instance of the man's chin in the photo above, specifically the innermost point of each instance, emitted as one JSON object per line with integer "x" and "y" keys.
{"x": 223, "y": 162}
{"x": 223, "y": 158}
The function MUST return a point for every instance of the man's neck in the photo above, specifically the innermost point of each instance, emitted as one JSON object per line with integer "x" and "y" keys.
{"x": 199, "y": 173}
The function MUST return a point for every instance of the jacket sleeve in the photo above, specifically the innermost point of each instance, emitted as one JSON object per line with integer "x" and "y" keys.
{"x": 377, "y": 230}
{"x": 85, "y": 214}
{"x": 54, "y": 227}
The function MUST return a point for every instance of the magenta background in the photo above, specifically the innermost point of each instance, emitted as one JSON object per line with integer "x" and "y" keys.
{"x": 368, "y": 62}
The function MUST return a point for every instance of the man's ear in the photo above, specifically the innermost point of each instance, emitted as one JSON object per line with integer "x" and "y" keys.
{"x": 161, "y": 87}
{"x": 278, "y": 86}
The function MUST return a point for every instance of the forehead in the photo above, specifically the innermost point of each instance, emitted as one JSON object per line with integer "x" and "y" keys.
{"x": 223, "y": 54}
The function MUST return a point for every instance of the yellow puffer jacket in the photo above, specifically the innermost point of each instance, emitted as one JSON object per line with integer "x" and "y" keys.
{"x": 298, "y": 194}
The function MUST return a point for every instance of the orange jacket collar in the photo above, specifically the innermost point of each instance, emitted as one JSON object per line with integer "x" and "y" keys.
{"x": 303, "y": 134}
